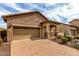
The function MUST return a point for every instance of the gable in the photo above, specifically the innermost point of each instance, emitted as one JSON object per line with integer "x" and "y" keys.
{"x": 75, "y": 22}
{"x": 28, "y": 20}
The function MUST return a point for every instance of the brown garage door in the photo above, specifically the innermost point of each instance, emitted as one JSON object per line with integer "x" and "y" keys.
{"x": 24, "y": 33}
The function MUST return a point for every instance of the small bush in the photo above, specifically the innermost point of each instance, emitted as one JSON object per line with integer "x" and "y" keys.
{"x": 77, "y": 45}
{"x": 0, "y": 42}
{"x": 69, "y": 38}
{"x": 76, "y": 37}
{"x": 64, "y": 40}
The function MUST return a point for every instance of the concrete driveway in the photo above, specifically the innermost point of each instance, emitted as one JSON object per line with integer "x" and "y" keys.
{"x": 41, "y": 47}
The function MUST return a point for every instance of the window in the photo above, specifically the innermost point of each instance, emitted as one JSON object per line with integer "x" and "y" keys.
{"x": 73, "y": 32}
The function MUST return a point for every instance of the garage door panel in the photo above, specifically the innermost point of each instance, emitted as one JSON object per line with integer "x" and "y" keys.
{"x": 26, "y": 33}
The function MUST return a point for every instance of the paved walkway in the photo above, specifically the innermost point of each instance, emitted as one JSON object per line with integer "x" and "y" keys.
{"x": 40, "y": 48}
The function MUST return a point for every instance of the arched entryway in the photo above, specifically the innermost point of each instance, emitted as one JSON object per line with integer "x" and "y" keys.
{"x": 49, "y": 30}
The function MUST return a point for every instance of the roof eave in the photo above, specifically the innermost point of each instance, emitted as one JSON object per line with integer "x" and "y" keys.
{"x": 5, "y": 17}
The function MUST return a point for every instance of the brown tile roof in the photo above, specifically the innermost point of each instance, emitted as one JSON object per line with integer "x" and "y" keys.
{"x": 29, "y": 24}
{"x": 74, "y": 20}
{"x": 31, "y": 21}
{"x": 50, "y": 21}
{"x": 10, "y": 15}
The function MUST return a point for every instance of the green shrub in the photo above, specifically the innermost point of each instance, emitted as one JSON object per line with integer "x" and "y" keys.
{"x": 64, "y": 40}
{"x": 76, "y": 37}
{"x": 69, "y": 38}
{"x": 77, "y": 45}
{"x": 0, "y": 42}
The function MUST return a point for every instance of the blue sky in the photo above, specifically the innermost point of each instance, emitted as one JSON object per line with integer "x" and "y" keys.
{"x": 62, "y": 12}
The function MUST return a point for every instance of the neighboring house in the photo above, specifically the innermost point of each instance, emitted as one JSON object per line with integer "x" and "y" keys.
{"x": 3, "y": 35}
{"x": 0, "y": 33}
{"x": 75, "y": 22}
{"x": 35, "y": 25}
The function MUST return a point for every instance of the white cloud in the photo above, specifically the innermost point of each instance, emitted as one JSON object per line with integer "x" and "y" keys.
{"x": 70, "y": 11}
{"x": 13, "y": 5}
{"x": 4, "y": 13}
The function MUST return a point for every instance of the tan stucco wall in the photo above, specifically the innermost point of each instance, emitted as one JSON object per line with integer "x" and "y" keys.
{"x": 30, "y": 20}
{"x": 61, "y": 28}
{"x": 24, "y": 33}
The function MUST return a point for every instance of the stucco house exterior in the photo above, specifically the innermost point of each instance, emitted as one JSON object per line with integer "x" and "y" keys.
{"x": 35, "y": 25}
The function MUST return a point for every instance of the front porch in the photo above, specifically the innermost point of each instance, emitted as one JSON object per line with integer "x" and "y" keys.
{"x": 48, "y": 30}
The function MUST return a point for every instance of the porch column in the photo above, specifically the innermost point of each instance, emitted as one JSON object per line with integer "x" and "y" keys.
{"x": 56, "y": 30}
{"x": 77, "y": 31}
{"x": 9, "y": 33}
{"x": 70, "y": 32}
{"x": 40, "y": 32}
{"x": 48, "y": 31}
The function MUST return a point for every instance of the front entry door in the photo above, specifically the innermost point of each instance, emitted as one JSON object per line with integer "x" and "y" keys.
{"x": 45, "y": 32}
{"x": 52, "y": 30}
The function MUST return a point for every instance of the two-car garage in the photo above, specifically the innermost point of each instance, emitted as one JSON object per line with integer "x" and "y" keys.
{"x": 24, "y": 25}
{"x": 26, "y": 33}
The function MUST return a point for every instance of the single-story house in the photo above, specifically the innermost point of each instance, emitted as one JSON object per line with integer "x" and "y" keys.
{"x": 36, "y": 25}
